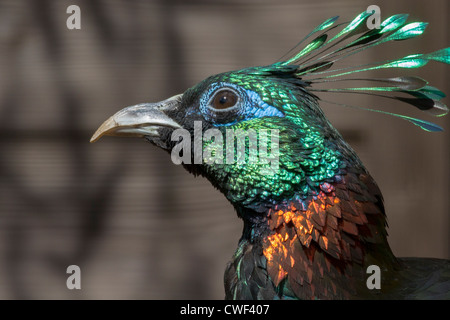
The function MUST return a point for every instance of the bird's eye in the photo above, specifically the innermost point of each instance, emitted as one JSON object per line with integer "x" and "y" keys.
{"x": 224, "y": 99}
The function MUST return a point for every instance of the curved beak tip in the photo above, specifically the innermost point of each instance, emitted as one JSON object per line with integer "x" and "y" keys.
{"x": 107, "y": 126}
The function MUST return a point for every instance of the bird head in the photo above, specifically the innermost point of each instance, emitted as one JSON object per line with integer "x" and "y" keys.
{"x": 257, "y": 134}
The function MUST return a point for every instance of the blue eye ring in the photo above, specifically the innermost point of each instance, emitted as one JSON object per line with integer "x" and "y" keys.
{"x": 223, "y": 100}
{"x": 223, "y": 116}
{"x": 249, "y": 105}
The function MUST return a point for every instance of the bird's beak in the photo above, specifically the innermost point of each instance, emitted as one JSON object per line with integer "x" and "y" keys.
{"x": 140, "y": 120}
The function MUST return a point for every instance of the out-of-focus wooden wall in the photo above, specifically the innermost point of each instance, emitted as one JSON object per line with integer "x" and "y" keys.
{"x": 137, "y": 225}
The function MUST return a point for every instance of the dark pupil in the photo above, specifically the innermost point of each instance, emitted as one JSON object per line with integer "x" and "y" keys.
{"x": 224, "y": 99}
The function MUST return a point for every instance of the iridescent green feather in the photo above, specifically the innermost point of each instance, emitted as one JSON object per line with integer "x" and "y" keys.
{"x": 362, "y": 17}
{"x": 314, "y": 45}
{"x": 314, "y": 63}
{"x": 324, "y": 25}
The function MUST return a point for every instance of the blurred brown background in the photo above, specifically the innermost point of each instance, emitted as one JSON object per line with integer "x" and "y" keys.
{"x": 138, "y": 226}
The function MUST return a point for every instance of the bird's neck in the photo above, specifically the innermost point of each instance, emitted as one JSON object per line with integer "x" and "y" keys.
{"x": 320, "y": 245}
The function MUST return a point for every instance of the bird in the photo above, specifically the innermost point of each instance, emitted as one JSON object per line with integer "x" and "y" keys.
{"x": 314, "y": 223}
